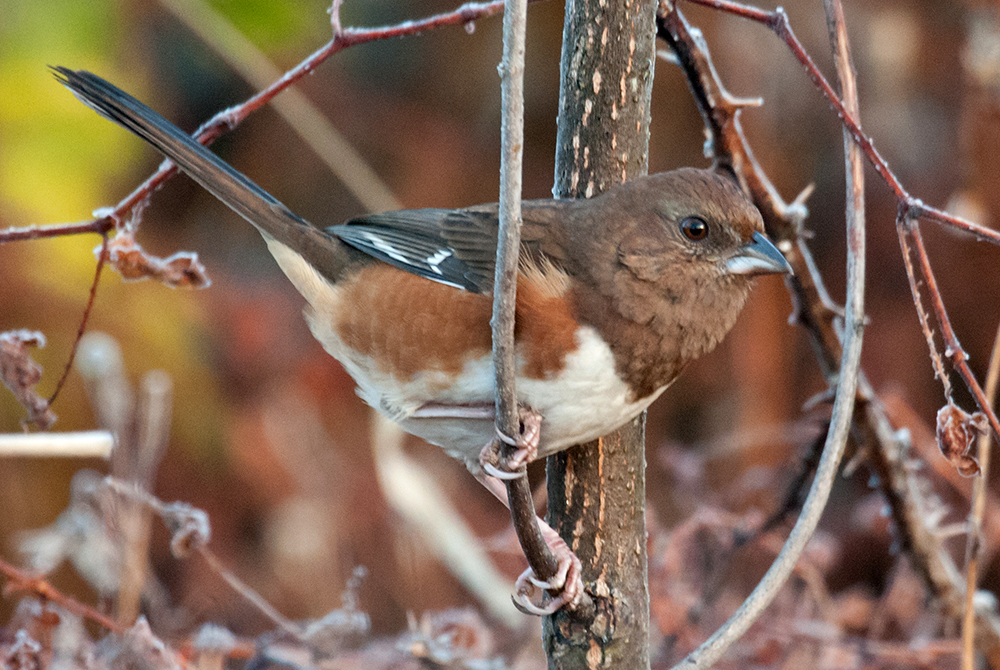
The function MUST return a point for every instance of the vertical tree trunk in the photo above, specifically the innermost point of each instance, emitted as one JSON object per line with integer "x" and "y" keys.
{"x": 597, "y": 491}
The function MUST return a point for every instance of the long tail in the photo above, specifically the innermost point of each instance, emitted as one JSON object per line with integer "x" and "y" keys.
{"x": 273, "y": 219}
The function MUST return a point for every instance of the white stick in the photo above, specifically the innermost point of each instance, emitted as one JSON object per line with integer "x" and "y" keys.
{"x": 84, "y": 444}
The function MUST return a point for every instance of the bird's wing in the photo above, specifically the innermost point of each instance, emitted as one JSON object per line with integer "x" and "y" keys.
{"x": 456, "y": 247}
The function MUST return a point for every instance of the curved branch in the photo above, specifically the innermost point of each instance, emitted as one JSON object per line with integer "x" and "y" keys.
{"x": 843, "y": 407}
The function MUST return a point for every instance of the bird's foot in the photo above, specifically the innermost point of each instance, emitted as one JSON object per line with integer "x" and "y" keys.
{"x": 526, "y": 448}
{"x": 564, "y": 589}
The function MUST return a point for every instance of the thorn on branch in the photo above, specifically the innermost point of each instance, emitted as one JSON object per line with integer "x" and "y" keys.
{"x": 736, "y": 103}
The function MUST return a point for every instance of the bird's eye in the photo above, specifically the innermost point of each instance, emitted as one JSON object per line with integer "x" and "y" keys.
{"x": 694, "y": 228}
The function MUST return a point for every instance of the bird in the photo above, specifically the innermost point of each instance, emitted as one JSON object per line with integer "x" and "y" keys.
{"x": 616, "y": 295}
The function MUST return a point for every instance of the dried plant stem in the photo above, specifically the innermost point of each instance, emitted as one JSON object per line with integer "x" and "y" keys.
{"x": 540, "y": 558}
{"x": 909, "y": 233}
{"x": 83, "y": 321}
{"x": 251, "y": 596}
{"x": 302, "y": 115}
{"x": 843, "y": 407}
{"x": 973, "y": 540}
{"x": 24, "y": 581}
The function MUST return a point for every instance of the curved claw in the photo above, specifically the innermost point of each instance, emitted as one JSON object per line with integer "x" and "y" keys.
{"x": 524, "y": 604}
{"x": 526, "y": 448}
{"x": 567, "y": 582}
{"x": 507, "y": 439}
{"x": 558, "y": 580}
{"x": 504, "y": 475}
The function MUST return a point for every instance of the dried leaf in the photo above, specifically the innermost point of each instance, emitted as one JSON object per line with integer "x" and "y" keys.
{"x": 190, "y": 527}
{"x": 80, "y": 535}
{"x": 20, "y": 374}
{"x": 181, "y": 270}
{"x": 956, "y": 429}
{"x": 449, "y": 638}
{"x": 137, "y": 649}
{"x": 24, "y": 654}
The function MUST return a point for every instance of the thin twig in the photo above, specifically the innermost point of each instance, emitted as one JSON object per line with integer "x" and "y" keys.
{"x": 843, "y": 407}
{"x": 522, "y": 510}
{"x": 251, "y": 596}
{"x": 24, "y": 581}
{"x": 974, "y": 537}
{"x": 777, "y": 21}
{"x": 902, "y": 229}
{"x": 302, "y": 115}
{"x": 86, "y": 317}
{"x": 100, "y": 226}
{"x": 952, "y": 349}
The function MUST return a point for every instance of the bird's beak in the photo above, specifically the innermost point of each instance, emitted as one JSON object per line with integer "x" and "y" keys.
{"x": 758, "y": 257}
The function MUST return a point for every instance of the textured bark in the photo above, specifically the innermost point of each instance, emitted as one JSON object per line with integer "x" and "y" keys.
{"x": 597, "y": 491}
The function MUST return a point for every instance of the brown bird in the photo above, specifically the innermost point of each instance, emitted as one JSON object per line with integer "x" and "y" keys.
{"x": 616, "y": 295}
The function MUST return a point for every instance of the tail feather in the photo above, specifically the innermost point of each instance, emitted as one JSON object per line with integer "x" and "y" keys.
{"x": 273, "y": 219}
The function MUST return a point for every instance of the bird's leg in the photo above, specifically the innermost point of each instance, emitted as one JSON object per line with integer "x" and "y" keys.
{"x": 490, "y": 458}
{"x": 430, "y": 410}
{"x": 526, "y": 447}
{"x": 565, "y": 587}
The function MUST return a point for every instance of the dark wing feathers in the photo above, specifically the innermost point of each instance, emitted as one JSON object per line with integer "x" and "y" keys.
{"x": 417, "y": 249}
{"x": 453, "y": 247}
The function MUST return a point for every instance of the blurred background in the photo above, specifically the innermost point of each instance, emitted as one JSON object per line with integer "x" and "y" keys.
{"x": 267, "y": 434}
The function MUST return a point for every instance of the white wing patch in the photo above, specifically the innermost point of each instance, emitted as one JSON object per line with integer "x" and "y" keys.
{"x": 386, "y": 248}
{"x": 438, "y": 258}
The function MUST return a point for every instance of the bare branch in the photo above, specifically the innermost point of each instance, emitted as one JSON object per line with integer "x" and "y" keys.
{"x": 843, "y": 408}
{"x": 19, "y": 580}
{"x": 540, "y": 558}
{"x": 973, "y": 546}
{"x": 887, "y": 450}
{"x": 228, "y": 119}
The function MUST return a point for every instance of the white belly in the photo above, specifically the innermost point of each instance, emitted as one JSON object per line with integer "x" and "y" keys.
{"x": 584, "y": 401}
